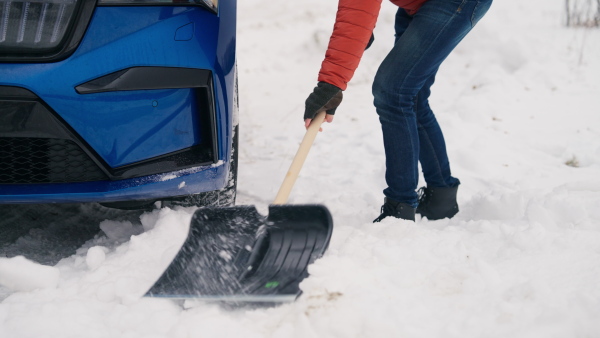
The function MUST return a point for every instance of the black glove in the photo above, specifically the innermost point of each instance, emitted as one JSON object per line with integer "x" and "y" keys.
{"x": 326, "y": 97}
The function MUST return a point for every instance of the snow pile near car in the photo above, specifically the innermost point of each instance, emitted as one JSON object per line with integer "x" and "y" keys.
{"x": 518, "y": 103}
{"x": 20, "y": 274}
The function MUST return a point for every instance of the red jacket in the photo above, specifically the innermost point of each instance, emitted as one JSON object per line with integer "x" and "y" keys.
{"x": 353, "y": 27}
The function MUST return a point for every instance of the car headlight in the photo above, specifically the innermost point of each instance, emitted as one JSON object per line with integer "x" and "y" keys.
{"x": 213, "y": 5}
{"x": 34, "y": 25}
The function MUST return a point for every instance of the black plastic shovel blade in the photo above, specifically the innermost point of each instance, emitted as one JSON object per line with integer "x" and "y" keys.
{"x": 237, "y": 255}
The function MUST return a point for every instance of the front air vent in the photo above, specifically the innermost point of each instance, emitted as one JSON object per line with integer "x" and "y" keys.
{"x": 40, "y": 160}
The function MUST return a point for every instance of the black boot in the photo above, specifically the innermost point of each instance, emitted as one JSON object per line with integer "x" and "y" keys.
{"x": 396, "y": 209}
{"x": 437, "y": 203}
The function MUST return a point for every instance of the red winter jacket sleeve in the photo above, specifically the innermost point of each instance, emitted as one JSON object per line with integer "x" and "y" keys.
{"x": 353, "y": 27}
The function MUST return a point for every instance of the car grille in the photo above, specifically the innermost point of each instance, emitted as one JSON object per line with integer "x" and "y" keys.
{"x": 41, "y": 160}
{"x": 34, "y": 24}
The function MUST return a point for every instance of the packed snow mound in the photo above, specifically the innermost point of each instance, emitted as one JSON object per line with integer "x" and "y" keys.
{"x": 21, "y": 274}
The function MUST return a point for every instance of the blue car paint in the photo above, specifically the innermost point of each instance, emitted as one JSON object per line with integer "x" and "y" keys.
{"x": 130, "y": 126}
{"x": 112, "y": 123}
{"x": 146, "y": 123}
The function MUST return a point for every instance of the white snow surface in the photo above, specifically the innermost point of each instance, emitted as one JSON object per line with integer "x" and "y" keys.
{"x": 20, "y": 274}
{"x": 518, "y": 101}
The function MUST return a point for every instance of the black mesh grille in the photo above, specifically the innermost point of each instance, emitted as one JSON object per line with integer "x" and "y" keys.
{"x": 39, "y": 160}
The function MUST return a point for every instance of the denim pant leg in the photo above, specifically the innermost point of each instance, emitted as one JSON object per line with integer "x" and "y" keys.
{"x": 422, "y": 43}
{"x": 432, "y": 153}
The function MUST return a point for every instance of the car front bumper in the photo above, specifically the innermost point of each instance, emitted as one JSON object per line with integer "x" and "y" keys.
{"x": 133, "y": 127}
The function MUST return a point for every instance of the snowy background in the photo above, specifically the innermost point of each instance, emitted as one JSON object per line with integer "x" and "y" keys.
{"x": 518, "y": 101}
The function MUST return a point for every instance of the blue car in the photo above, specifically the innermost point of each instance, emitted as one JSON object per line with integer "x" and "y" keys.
{"x": 120, "y": 102}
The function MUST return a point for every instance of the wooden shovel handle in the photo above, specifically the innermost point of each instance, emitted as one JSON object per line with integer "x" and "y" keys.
{"x": 292, "y": 174}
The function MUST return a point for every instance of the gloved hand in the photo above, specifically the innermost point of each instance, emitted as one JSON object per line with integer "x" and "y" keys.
{"x": 326, "y": 97}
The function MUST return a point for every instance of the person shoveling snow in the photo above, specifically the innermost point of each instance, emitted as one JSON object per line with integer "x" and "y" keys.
{"x": 426, "y": 32}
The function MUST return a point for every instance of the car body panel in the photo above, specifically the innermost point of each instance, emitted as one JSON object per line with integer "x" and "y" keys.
{"x": 124, "y": 127}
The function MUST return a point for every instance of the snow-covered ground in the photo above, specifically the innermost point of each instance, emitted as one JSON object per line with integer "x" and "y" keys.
{"x": 518, "y": 101}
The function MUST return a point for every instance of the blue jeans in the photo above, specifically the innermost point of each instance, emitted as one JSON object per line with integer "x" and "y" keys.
{"x": 401, "y": 89}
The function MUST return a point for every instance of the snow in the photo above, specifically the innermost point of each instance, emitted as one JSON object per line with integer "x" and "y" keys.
{"x": 518, "y": 104}
{"x": 95, "y": 257}
{"x": 20, "y": 274}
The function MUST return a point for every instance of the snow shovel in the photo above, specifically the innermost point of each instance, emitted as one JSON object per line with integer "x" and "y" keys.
{"x": 234, "y": 254}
